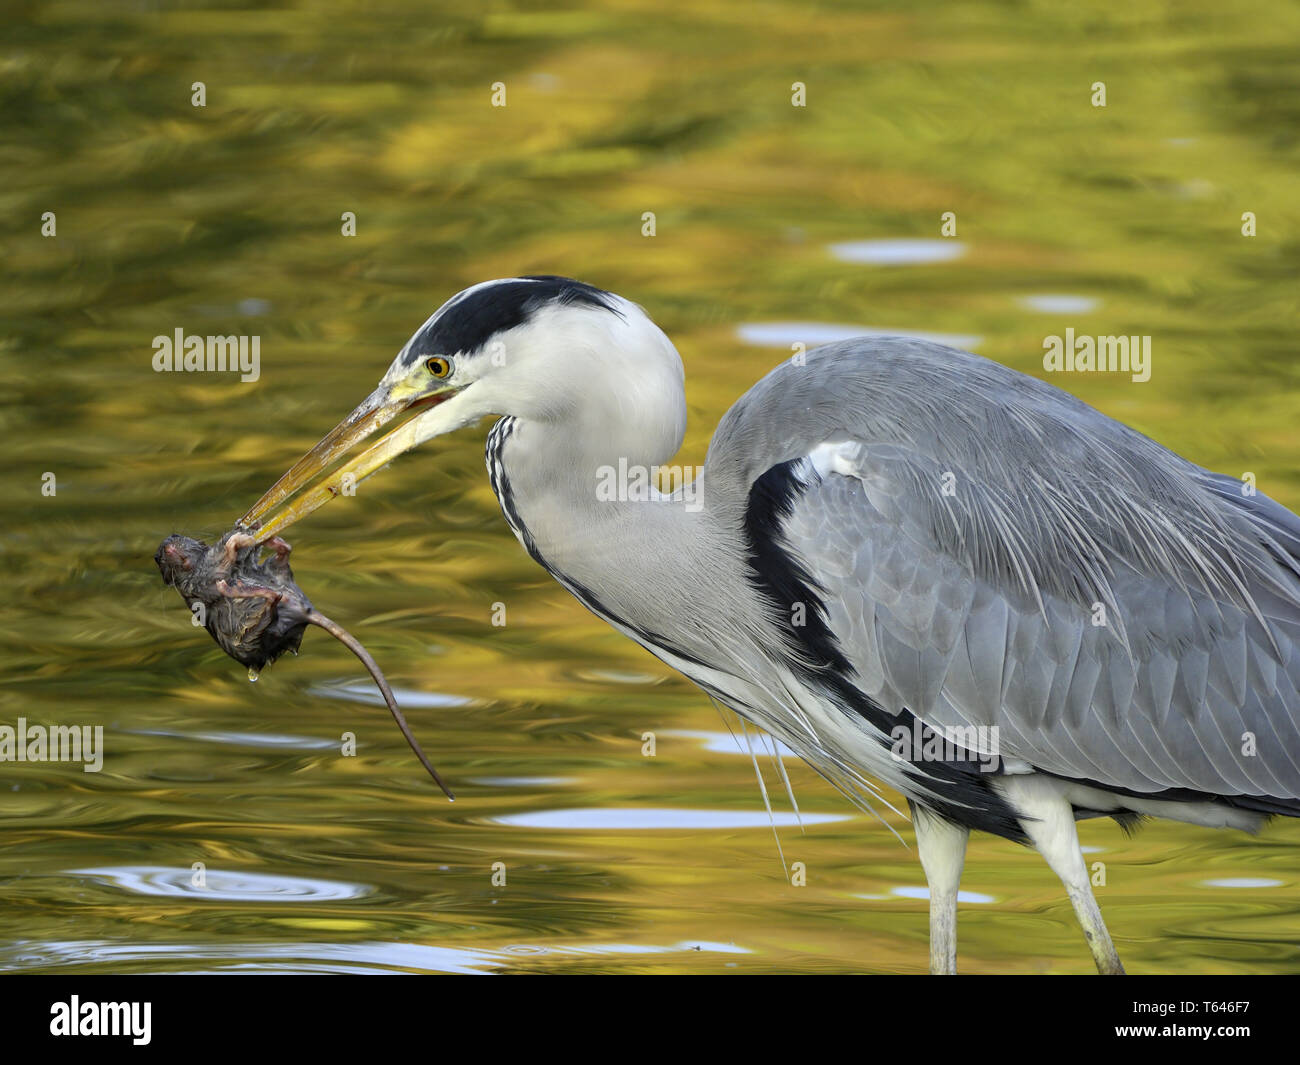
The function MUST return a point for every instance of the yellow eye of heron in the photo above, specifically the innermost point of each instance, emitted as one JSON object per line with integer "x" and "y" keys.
{"x": 438, "y": 366}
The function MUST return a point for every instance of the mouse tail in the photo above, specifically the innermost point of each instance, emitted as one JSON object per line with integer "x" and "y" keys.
{"x": 354, "y": 645}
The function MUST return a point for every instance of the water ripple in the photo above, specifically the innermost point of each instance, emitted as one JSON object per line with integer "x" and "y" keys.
{"x": 898, "y": 252}
{"x": 1243, "y": 882}
{"x": 364, "y": 957}
{"x": 641, "y": 818}
{"x": 1053, "y": 303}
{"x": 730, "y": 743}
{"x": 924, "y": 893}
{"x": 407, "y": 698}
{"x": 222, "y": 885}
{"x": 784, "y": 334}
{"x": 244, "y": 739}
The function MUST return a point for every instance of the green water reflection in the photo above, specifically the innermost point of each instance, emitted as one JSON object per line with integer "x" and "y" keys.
{"x": 226, "y": 219}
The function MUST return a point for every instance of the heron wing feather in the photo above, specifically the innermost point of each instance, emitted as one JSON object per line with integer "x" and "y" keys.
{"x": 992, "y": 552}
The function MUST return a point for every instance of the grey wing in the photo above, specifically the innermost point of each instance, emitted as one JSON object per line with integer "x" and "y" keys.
{"x": 992, "y": 551}
{"x": 1165, "y": 658}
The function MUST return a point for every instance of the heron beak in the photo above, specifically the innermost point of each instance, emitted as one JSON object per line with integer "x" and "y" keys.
{"x": 278, "y": 508}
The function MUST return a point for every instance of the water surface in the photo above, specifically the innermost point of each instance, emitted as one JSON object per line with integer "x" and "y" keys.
{"x": 775, "y": 225}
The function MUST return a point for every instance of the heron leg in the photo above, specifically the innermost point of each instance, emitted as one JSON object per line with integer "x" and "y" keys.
{"x": 941, "y": 845}
{"x": 1048, "y": 821}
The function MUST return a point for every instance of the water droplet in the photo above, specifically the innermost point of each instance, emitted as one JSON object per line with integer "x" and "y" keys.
{"x": 252, "y": 674}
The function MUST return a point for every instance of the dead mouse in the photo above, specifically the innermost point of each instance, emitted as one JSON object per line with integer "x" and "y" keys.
{"x": 256, "y": 612}
{"x": 253, "y": 610}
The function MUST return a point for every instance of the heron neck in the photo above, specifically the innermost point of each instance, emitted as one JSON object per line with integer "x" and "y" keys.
{"x": 584, "y": 514}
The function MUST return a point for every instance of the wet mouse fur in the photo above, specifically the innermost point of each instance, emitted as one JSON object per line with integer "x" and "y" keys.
{"x": 253, "y": 609}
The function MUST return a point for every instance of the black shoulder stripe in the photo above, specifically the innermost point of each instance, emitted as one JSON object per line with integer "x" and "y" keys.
{"x": 966, "y": 795}
{"x": 777, "y": 573}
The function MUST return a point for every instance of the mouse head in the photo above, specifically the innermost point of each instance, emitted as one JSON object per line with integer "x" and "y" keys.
{"x": 179, "y": 559}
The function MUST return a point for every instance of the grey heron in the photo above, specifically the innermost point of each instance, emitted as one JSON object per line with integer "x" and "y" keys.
{"x": 890, "y": 539}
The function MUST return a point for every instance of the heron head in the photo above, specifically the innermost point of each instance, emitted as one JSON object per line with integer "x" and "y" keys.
{"x": 547, "y": 349}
